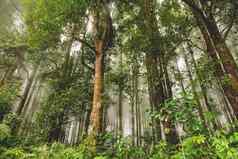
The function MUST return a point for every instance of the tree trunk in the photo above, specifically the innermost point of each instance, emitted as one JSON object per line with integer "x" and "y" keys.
{"x": 155, "y": 90}
{"x": 96, "y": 114}
{"x": 180, "y": 78}
{"x": 132, "y": 99}
{"x": 26, "y": 92}
{"x": 216, "y": 46}
{"x": 170, "y": 135}
{"x": 102, "y": 24}
{"x": 203, "y": 86}
{"x": 120, "y": 98}
{"x": 228, "y": 63}
{"x": 137, "y": 107}
{"x": 157, "y": 86}
{"x": 196, "y": 96}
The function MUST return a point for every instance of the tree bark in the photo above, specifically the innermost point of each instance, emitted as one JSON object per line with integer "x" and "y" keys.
{"x": 102, "y": 24}
{"x": 132, "y": 99}
{"x": 137, "y": 107}
{"x": 26, "y": 91}
{"x": 96, "y": 114}
{"x": 120, "y": 98}
{"x": 155, "y": 89}
{"x": 216, "y": 46}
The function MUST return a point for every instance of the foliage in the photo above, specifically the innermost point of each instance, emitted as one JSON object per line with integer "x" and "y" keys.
{"x": 124, "y": 149}
{"x": 12, "y": 120}
{"x": 48, "y": 19}
{"x": 55, "y": 151}
{"x": 222, "y": 145}
{"x": 8, "y": 94}
{"x": 193, "y": 147}
{"x": 161, "y": 151}
{"x": 52, "y": 29}
{"x": 182, "y": 109}
{"x": 5, "y": 132}
{"x": 219, "y": 146}
{"x": 15, "y": 153}
{"x": 69, "y": 95}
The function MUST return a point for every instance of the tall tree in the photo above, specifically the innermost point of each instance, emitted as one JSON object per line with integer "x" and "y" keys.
{"x": 102, "y": 23}
{"x": 217, "y": 47}
{"x": 156, "y": 69}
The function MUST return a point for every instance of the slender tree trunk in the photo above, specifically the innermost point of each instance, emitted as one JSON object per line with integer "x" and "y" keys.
{"x": 201, "y": 83}
{"x": 203, "y": 87}
{"x": 26, "y": 91}
{"x": 170, "y": 135}
{"x": 120, "y": 98}
{"x": 137, "y": 106}
{"x": 180, "y": 78}
{"x": 132, "y": 97}
{"x": 33, "y": 89}
{"x": 104, "y": 116}
{"x": 87, "y": 106}
{"x": 87, "y": 120}
{"x": 96, "y": 114}
{"x": 196, "y": 96}
{"x": 139, "y": 125}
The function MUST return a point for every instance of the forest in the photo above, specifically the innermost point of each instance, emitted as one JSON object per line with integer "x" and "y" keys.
{"x": 118, "y": 79}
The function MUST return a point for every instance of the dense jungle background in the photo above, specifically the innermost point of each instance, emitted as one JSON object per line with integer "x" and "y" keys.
{"x": 118, "y": 79}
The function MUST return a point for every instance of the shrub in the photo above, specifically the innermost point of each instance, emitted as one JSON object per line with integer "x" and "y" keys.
{"x": 12, "y": 120}
{"x": 15, "y": 153}
{"x": 5, "y": 132}
{"x": 7, "y": 96}
{"x": 160, "y": 151}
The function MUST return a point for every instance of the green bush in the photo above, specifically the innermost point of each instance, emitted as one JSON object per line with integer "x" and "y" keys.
{"x": 57, "y": 151}
{"x": 15, "y": 153}
{"x": 218, "y": 146}
{"x": 100, "y": 157}
{"x": 4, "y": 109}
{"x": 5, "y": 132}
{"x": 7, "y": 96}
{"x": 12, "y": 120}
{"x": 193, "y": 148}
{"x": 222, "y": 146}
{"x": 160, "y": 151}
